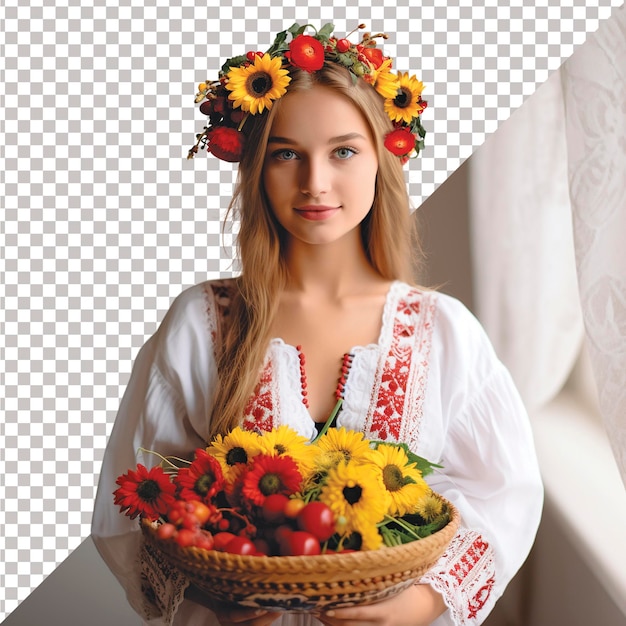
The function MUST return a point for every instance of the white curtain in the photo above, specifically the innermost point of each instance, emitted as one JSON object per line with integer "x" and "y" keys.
{"x": 526, "y": 291}
{"x": 594, "y": 94}
{"x": 548, "y": 230}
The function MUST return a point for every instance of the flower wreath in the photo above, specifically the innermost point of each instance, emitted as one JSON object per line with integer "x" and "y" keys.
{"x": 249, "y": 85}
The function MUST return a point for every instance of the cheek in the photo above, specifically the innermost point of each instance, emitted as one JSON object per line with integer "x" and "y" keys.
{"x": 365, "y": 183}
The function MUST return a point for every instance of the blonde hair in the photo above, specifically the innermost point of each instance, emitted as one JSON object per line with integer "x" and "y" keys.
{"x": 387, "y": 232}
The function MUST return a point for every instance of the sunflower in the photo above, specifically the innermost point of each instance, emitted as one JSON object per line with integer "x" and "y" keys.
{"x": 406, "y": 103}
{"x": 285, "y": 440}
{"x": 371, "y": 539}
{"x": 339, "y": 444}
{"x": 402, "y": 480}
{"x": 254, "y": 87}
{"x": 269, "y": 475}
{"x": 356, "y": 495}
{"x": 148, "y": 493}
{"x": 384, "y": 80}
{"x": 236, "y": 448}
{"x": 202, "y": 479}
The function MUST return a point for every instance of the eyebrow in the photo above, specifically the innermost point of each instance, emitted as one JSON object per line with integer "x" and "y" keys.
{"x": 332, "y": 140}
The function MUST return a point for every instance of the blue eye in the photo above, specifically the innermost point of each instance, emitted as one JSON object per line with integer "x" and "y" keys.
{"x": 345, "y": 153}
{"x": 285, "y": 155}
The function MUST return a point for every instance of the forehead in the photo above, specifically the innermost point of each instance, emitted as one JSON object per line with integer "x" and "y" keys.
{"x": 319, "y": 112}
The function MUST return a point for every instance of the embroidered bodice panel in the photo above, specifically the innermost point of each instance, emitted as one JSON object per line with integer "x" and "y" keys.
{"x": 383, "y": 393}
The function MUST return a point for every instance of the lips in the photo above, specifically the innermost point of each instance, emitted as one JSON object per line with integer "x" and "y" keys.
{"x": 316, "y": 212}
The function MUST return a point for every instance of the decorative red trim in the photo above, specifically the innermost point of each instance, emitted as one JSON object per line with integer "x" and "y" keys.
{"x": 303, "y": 382}
{"x": 259, "y": 413}
{"x": 345, "y": 370}
{"x": 403, "y": 371}
{"x": 465, "y": 574}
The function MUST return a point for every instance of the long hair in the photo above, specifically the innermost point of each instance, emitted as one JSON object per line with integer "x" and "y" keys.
{"x": 387, "y": 234}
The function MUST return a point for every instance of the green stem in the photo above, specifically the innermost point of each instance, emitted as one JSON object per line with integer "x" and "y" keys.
{"x": 405, "y": 525}
{"x": 330, "y": 419}
{"x": 165, "y": 459}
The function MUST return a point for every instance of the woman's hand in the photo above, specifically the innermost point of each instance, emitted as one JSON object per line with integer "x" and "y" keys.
{"x": 419, "y": 605}
{"x": 228, "y": 614}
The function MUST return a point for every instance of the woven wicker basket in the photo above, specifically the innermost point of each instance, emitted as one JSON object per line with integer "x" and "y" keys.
{"x": 303, "y": 583}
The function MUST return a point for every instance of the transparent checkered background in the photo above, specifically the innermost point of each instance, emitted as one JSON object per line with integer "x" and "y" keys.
{"x": 106, "y": 222}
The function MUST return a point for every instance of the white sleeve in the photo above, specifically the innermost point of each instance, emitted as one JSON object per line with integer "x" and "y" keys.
{"x": 490, "y": 472}
{"x": 165, "y": 408}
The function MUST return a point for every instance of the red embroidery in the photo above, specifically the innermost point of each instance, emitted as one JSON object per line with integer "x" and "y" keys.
{"x": 468, "y": 561}
{"x": 465, "y": 574}
{"x": 398, "y": 387}
{"x": 479, "y": 600}
{"x": 259, "y": 414}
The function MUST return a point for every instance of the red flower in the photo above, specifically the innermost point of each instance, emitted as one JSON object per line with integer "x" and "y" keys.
{"x": 226, "y": 143}
{"x": 373, "y": 55}
{"x": 145, "y": 493}
{"x": 202, "y": 479}
{"x": 216, "y": 105}
{"x": 307, "y": 53}
{"x": 268, "y": 475}
{"x": 400, "y": 141}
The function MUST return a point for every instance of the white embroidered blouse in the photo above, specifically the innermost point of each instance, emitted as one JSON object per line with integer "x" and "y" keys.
{"x": 432, "y": 380}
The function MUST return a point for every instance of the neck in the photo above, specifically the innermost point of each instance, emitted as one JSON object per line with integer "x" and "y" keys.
{"x": 330, "y": 270}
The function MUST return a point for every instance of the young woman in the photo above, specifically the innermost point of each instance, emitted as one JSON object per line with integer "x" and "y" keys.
{"x": 325, "y": 244}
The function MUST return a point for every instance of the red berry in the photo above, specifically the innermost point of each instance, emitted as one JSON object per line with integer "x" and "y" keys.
{"x": 185, "y": 537}
{"x": 221, "y": 540}
{"x": 273, "y": 509}
{"x": 317, "y": 519}
{"x": 166, "y": 531}
{"x": 250, "y": 56}
{"x": 190, "y": 521}
{"x": 299, "y": 542}
{"x": 343, "y": 45}
{"x": 205, "y": 540}
{"x": 240, "y": 545}
{"x": 262, "y": 546}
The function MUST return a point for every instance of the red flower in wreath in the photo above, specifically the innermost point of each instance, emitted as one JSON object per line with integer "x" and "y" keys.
{"x": 307, "y": 53}
{"x": 144, "y": 492}
{"x": 269, "y": 475}
{"x": 400, "y": 141}
{"x": 373, "y": 55}
{"x": 226, "y": 143}
{"x": 202, "y": 479}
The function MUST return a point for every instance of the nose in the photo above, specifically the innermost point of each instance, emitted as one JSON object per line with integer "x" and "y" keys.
{"x": 314, "y": 177}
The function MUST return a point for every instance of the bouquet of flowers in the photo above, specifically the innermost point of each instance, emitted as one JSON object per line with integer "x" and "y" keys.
{"x": 250, "y": 499}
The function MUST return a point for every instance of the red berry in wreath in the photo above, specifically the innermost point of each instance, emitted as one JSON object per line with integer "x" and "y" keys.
{"x": 343, "y": 45}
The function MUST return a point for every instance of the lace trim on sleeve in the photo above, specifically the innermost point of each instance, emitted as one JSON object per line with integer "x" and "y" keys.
{"x": 465, "y": 576}
{"x": 219, "y": 294}
{"x": 163, "y": 586}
